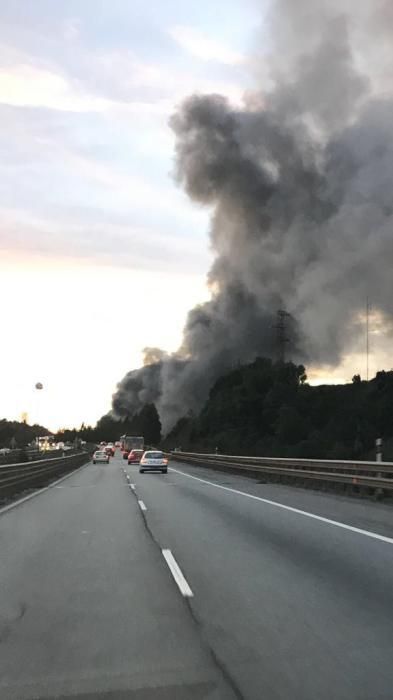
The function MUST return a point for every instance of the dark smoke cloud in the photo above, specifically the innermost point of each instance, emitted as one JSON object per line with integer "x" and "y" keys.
{"x": 300, "y": 186}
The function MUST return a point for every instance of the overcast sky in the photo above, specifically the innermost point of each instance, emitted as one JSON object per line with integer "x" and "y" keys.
{"x": 91, "y": 219}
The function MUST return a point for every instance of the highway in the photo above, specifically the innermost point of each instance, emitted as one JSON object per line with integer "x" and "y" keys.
{"x": 194, "y": 584}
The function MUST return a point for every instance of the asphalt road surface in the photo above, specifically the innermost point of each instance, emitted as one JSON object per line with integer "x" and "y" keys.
{"x": 195, "y": 584}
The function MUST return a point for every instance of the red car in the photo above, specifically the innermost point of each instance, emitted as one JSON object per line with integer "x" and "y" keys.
{"x": 135, "y": 456}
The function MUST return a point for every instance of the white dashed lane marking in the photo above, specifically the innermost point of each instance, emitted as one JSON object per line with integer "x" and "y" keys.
{"x": 177, "y": 574}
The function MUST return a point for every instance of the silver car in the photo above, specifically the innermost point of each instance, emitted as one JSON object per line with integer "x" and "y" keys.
{"x": 153, "y": 461}
{"x": 100, "y": 456}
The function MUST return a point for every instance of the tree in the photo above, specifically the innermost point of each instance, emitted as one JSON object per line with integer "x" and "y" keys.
{"x": 267, "y": 408}
{"x": 291, "y": 426}
{"x": 264, "y": 408}
{"x": 301, "y": 373}
{"x": 149, "y": 424}
{"x": 108, "y": 429}
{"x": 21, "y": 434}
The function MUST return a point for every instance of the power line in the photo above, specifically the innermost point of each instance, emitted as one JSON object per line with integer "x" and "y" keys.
{"x": 282, "y": 338}
{"x": 367, "y": 335}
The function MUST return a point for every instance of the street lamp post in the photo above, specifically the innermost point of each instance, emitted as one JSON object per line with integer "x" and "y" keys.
{"x": 38, "y": 387}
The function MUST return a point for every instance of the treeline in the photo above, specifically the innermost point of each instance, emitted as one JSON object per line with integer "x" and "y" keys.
{"x": 263, "y": 408}
{"x": 146, "y": 423}
{"x": 267, "y": 408}
{"x": 15, "y": 434}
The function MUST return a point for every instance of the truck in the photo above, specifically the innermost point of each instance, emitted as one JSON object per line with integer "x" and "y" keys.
{"x": 131, "y": 442}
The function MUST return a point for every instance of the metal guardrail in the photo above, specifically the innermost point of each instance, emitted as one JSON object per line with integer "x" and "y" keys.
{"x": 30, "y": 454}
{"x": 15, "y": 478}
{"x": 19, "y": 455}
{"x": 375, "y": 475}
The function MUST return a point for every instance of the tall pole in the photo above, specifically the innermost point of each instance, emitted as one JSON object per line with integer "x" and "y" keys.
{"x": 367, "y": 334}
{"x": 281, "y": 331}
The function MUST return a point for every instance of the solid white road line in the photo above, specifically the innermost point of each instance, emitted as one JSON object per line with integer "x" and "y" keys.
{"x": 336, "y": 523}
{"x": 5, "y": 509}
{"x": 177, "y": 574}
{"x": 142, "y": 505}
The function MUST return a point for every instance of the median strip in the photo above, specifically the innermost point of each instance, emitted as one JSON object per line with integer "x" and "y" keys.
{"x": 177, "y": 574}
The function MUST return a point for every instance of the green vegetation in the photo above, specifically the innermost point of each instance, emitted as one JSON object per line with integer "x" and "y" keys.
{"x": 263, "y": 408}
{"x": 146, "y": 423}
{"x": 267, "y": 408}
{"x": 16, "y": 434}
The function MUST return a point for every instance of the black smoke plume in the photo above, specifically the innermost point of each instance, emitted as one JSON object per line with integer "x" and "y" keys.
{"x": 299, "y": 181}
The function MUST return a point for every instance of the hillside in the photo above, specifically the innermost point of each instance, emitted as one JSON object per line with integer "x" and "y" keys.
{"x": 267, "y": 408}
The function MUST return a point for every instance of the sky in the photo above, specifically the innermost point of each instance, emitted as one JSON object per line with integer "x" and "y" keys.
{"x": 102, "y": 254}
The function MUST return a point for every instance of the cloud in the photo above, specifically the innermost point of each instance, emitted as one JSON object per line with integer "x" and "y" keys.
{"x": 204, "y": 47}
{"x": 123, "y": 78}
{"x": 26, "y": 85}
{"x": 86, "y": 148}
{"x": 114, "y": 243}
{"x": 103, "y": 81}
{"x": 64, "y": 165}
